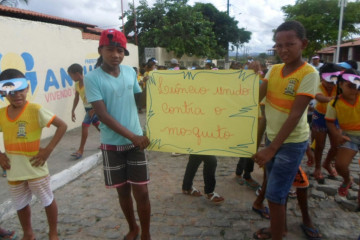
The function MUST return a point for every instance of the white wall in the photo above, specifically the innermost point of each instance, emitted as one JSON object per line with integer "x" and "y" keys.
{"x": 43, "y": 52}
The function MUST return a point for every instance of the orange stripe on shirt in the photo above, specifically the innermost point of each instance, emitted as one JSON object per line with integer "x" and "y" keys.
{"x": 279, "y": 102}
{"x": 350, "y": 126}
{"x": 23, "y": 147}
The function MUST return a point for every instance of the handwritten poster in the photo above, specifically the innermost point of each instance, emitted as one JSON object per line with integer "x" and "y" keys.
{"x": 203, "y": 112}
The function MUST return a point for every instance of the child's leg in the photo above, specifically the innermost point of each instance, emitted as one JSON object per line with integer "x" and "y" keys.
{"x": 25, "y": 221}
{"x": 330, "y": 156}
{"x": 191, "y": 169}
{"x": 126, "y": 204}
{"x": 344, "y": 157}
{"x": 52, "y": 216}
{"x": 240, "y": 167}
{"x": 84, "y": 135}
{"x": 258, "y": 204}
{"x": 141, "y": 196}
{"x": 210, "y": 164}
{"x": 277, "y": 219}
{"x": 320, "y": 139}
{"x": 301, "y": 194}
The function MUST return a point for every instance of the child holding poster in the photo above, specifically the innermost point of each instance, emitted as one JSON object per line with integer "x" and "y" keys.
{"x": 288, "y": 88}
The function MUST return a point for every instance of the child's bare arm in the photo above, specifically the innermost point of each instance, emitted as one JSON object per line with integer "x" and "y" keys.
{"x": 75, "y": 103}
{"x": 300, "y": 104}
{"x": 44, "y": 153}
{"x": 107, "y": 119}
{"x": 323, "y": 99}
{"x": 339, "y": 138}
{"x": 262, "y": 91}
{"x": 4, "y": 161}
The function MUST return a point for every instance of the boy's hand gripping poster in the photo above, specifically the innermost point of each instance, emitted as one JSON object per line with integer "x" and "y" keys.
{"x": 203, "y": 112}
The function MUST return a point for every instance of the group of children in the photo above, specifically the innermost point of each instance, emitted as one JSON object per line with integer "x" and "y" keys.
{"x": 110, "y": 89}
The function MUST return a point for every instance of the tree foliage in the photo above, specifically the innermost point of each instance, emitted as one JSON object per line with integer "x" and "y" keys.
{"x": 12, "y": 3}
{"x": 183, "y": 29}
{"x": 321, "y": 21}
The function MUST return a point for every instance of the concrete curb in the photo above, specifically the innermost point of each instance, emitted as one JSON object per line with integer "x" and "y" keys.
{"x": 57, "y": 180}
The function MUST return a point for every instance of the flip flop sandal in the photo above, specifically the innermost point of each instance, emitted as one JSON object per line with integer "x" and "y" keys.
{"x": 343, "y": 189}
{"x": 239, "y": 179}
{"x": 193, "y": 192}
{"x": 76, "y": 155}
{"x": 135, "y": 238}
{"x": 264, "y": 213}
{"x": 311, "y": 233}
{"x": 215, "y": 198}
{"x": 8, "y": 235}
{"x": 251, "y": 183}
{"x": 258, "y": 191}
{"x": 262, "y": 232}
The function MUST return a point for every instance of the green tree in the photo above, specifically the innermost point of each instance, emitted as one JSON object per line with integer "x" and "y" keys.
{"x": 225, "y": 27}
{"x": 178, "y": 27}
{"x": 321, "y": 21}
{"x": 12, "y": 3}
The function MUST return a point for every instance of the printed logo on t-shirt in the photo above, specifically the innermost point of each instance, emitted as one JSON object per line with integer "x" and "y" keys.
{"x": 290, "y": 89}
{"x": 21, "y": 129}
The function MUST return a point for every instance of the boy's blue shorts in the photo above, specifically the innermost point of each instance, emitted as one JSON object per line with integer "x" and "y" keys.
{"x": 90, "y": 119}
{"x": 282, "y": 169}
{"x": 319, "y": 123}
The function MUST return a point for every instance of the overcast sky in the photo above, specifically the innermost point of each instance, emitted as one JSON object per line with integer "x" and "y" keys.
{"x": 259, "y": 17}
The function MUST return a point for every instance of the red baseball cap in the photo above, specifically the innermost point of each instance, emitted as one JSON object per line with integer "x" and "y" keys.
{"x": 113, "y": 37}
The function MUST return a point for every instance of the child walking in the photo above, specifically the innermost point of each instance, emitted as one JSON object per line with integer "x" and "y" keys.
{"x": 76, "y": 73}
{"x": 110, "y": 89}
{"x": 288, "y": 88}
{"x": 21, "y": 123}
{"x": 325, "y": 93}
{"x": 346, "y": 109}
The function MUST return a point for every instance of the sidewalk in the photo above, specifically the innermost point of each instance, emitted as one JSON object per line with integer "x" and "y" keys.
{"x": 89, "y": 211}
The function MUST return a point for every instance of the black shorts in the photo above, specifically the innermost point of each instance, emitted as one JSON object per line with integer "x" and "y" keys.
{"x": 122, "y": 167}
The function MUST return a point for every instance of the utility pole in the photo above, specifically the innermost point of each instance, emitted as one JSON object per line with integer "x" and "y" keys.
{"x": 342, "y": 4}
{"x": 122, "y": 16}
{"x": 227, "y": 64}
{"x": 135, "y": 30}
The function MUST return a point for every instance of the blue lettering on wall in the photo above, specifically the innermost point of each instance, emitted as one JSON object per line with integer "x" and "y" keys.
{"x": 65, "y": 78}
{"x": 50, "y": 80}
{"x": 29, "y": 65}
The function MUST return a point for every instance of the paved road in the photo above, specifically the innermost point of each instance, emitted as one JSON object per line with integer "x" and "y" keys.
{"x": 87, "y": 210}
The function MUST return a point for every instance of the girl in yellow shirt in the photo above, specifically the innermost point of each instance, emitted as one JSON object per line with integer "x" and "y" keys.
{"x": 346, "y": 109}
{"x": 325, "y": 93}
